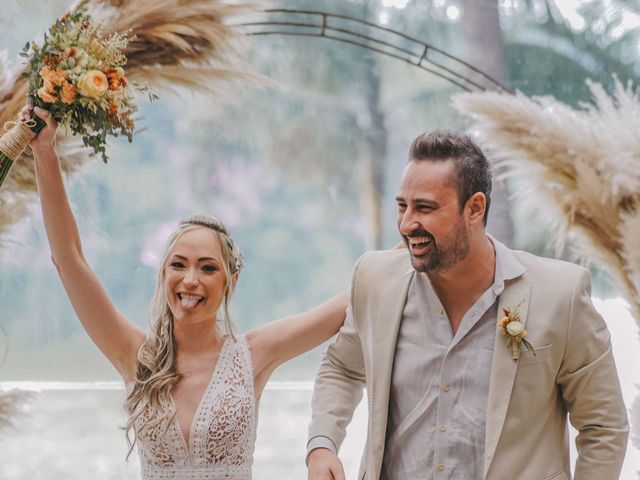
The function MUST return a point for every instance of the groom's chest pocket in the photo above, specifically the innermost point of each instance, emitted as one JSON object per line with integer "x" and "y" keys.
{"x": 541, "y": 358}
{"x": 536, "y": 373}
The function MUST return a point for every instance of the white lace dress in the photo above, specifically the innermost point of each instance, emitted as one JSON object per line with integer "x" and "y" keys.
{"x": 223, "y": 433}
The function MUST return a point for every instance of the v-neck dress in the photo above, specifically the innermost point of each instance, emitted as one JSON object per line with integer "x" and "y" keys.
{"x": 223, "y": 432}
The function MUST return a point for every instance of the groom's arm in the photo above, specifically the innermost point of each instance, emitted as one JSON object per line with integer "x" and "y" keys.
{"x": 591, "y": 390}
{"x": 338, "y": 389}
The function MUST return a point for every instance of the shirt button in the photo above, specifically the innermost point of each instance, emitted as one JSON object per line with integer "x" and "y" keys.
{"x": 443, "y": 428}
{"x": 440, "y": 467}
{"x": 446, "y": 387}
{"x": 441, "y": 312}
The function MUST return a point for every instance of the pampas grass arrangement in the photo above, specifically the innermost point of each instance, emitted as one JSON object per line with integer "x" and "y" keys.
{"x": 179, "y": 44}
{"x": 584, "y": 164}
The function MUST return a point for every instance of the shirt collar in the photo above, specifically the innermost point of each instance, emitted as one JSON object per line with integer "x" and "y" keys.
{"x": 507, "y": 265}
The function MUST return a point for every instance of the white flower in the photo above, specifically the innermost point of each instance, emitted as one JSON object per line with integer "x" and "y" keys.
{"x": 515, "y": 328}
{"x": 83, "y": 58}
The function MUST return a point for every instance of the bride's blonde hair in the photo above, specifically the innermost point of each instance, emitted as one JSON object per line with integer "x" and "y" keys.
{"x": 156, "y": 370}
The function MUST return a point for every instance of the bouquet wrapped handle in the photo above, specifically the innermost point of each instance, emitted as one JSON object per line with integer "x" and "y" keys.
{"x": 18, "y": 136}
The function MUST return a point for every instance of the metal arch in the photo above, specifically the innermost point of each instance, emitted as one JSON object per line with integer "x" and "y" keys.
{"x": 313, "y": 23}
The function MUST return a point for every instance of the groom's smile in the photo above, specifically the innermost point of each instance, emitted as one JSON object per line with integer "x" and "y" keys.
{"x": 420, "y": 243}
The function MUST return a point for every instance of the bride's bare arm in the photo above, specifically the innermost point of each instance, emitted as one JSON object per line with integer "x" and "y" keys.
{"x": 117, "y": 337}
{"x": 281, "y": 340}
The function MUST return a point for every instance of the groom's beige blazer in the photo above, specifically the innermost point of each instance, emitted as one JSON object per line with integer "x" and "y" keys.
{"x": 526, "y": 423}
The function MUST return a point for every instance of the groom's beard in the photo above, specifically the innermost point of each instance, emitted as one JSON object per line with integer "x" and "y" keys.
{"x": 442, "y": 255}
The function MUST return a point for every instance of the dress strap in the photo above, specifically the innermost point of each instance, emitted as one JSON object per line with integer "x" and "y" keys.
{"x": 245, "y": 352}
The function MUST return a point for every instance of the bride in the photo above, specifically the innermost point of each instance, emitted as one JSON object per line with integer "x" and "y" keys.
{"x": 192, "y": 386}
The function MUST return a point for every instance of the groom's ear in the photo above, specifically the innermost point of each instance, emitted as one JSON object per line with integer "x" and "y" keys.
{"x": 475, "y": 207}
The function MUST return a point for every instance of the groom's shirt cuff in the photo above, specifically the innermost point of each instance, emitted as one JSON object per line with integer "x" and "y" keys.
{"x": 320, "y": 441}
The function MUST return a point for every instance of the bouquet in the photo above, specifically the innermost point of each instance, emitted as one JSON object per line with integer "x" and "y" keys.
{"x": 78, "y": 76}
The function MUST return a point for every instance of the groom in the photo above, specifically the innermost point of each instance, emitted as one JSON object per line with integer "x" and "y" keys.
{"x": 447, "y": 397}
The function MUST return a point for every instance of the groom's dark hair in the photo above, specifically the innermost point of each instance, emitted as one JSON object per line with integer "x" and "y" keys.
{"x": 472, "y": 170}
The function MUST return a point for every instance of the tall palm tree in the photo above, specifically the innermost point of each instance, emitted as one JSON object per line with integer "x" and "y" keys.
{"x": 484, "y": 42}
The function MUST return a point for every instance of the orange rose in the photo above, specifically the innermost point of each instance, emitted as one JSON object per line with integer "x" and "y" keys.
{"x": 55, "y": 77}
{"x": 46, "y": 96}
{"x": 68, "y": 93}
{"x": 48, "y": 86}
{"x": 93, "y": 84}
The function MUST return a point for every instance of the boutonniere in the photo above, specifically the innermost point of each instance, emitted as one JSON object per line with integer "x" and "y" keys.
{"x": 513, "y": 329}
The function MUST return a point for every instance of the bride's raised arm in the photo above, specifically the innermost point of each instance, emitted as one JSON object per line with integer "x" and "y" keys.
{"x": 281, "y": 340}
{"x": 117, "y": 337}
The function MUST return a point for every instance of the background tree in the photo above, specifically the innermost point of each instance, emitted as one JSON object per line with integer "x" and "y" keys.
{"x": 484, "y": 47}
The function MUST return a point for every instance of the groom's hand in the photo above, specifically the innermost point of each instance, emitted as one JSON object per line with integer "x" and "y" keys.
{"x": 325, "y": 465}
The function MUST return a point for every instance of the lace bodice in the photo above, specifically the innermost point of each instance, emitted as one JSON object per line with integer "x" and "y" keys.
{"x": 223, "y": 433}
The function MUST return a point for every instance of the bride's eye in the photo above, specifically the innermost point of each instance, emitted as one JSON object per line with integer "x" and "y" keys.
{"x": 176, "y": 265}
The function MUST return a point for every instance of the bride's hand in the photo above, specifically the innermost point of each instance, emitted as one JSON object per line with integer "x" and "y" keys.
{"x": 47, "y": 136}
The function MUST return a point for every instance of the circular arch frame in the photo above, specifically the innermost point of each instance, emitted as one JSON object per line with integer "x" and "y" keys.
{"x": 382, "y": 40}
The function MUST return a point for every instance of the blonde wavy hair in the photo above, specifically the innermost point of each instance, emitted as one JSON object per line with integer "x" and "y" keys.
{"x": 156, "y": 370}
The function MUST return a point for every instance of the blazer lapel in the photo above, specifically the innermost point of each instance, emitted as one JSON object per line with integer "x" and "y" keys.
{"x": 503, "y": 370}
{"x": 388, "y": 317}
